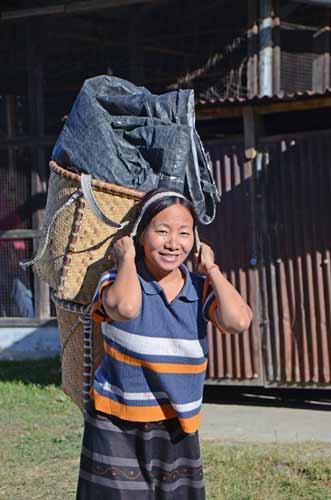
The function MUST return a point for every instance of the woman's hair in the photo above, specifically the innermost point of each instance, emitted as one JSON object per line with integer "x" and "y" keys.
{"x": 155, "y": 208}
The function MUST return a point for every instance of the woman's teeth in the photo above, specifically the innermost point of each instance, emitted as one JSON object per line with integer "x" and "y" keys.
{"x": 169, "y": 257}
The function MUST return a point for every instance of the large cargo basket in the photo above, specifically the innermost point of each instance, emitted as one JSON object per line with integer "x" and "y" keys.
{"x": 83, "y": 219}
{"x": 75, "y": 244}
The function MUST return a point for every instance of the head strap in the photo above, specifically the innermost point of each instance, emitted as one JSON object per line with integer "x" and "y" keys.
{"x": 157, "y": 196}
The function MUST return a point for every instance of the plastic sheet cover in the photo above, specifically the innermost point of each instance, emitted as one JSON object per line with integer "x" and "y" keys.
{"x": 125, "y": 135}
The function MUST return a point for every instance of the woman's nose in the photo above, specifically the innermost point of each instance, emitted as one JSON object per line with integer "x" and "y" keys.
{"x": 172, "y": 242}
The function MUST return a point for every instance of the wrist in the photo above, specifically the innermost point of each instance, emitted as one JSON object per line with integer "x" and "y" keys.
{"x": 212, "y": 268}
{"x": 126, "y": 260}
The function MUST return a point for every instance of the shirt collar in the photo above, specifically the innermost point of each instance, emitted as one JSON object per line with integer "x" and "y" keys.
{"x": 152, "y": 287}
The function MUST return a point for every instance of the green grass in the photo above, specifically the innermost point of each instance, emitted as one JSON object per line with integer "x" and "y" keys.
{"x": 41, "y": 435}
{"x": 267, "y": 472}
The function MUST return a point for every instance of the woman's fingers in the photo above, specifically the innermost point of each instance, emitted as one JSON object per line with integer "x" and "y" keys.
{"x": 206, "y": 258}
{"x": 206, "y": 254}
{"x": 124, "y": 247}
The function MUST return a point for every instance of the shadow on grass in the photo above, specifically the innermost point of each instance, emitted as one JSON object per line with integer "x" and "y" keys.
{"x": 42, "y": 371}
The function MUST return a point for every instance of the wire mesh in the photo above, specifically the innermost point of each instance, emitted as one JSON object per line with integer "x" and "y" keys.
{"x": 223, "y": 75}
{"x": 296, "y": 72}
{"x": 16, "y": 285}
{"x": 16, "y": 205}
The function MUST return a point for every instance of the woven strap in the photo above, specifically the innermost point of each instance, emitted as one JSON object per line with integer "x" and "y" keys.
{"x": 93, "y": 204}
{"x": 157, "y": 196}
{"x": 77, "y": 194}
{"x": 86, "y": 190}
{"x": 88, "y": 356}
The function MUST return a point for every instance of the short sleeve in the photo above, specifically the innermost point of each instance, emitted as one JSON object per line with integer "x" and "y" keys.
{"x": 98, "y": 312}
{"x": 209, "y": 304}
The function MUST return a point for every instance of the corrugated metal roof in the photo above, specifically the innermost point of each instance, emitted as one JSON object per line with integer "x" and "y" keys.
{"x": 281, "y": 96}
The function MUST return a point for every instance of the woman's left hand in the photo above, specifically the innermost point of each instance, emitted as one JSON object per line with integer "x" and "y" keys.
{"x": 205, "y": 259}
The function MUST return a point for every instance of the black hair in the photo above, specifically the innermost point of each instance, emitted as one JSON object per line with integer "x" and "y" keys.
{"x": 156, "y": 207}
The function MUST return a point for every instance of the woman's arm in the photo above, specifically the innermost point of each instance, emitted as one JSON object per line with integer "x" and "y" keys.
{"x": 122, "y": 300}
{"x": 232, "y": 314}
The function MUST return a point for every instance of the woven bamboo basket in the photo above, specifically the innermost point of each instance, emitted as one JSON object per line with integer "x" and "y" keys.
{"x": 74, "y": 251}
{"x": 75, "y": 243}
{"x": 81, "y": 349}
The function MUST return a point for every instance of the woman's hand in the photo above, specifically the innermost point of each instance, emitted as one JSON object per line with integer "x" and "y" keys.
{"x": 205, "y": 259}
{"x": 122, "y": 300}
{"x": 123, "y": 249}
{"x": 232, "y": 314}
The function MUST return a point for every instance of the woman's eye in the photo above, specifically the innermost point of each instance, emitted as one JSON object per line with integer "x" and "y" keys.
{"x": 185, "y": 234}
{"x": 161, "y": 231}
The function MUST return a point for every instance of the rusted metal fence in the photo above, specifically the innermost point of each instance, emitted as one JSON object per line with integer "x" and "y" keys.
{"x": 273, "y": 239}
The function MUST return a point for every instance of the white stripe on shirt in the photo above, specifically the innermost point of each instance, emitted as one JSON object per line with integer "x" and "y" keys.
{"x": 146, "y": 396}
{"x": 155, "y": 346}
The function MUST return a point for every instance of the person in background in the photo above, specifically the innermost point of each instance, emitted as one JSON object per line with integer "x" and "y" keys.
{"x": 15, "y": 296}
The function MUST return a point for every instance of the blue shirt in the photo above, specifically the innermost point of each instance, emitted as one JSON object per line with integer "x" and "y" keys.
{"x": 154, "y": 365}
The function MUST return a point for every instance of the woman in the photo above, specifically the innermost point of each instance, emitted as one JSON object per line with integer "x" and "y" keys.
{"x": 141, "y": 440}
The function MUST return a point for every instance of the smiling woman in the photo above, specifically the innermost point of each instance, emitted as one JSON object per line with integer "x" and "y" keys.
{"x": 145, "y": 409}
{"x": 168, "y": 240}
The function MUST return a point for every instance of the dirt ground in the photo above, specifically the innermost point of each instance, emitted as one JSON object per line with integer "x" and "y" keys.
{"x": 266, "y": 423}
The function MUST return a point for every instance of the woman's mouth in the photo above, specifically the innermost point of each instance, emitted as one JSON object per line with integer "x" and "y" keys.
{"x": 169, "y": 257}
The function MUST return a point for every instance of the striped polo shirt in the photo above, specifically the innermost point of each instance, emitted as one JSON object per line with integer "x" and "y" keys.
{"x": 154, "y": 365}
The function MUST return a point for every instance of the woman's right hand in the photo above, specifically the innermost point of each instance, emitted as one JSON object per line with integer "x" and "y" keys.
{"x": 123, "y": 249}
{"x": 122, "y": 300}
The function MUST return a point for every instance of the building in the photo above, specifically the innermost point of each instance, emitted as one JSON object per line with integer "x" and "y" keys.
{"x": 261, "y": 74}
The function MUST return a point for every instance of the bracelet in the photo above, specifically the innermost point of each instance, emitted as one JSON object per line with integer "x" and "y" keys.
{"x": 213, "y": 266}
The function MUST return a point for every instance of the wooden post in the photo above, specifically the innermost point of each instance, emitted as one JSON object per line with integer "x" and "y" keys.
{"x": 276, "y": 50}
{"x": 252, "y": 50}
{"x": 265, "y": 66}
{"x": 321, "y": 63}
{"x": 252, "y": 126}
{"x": 34, "y": 41}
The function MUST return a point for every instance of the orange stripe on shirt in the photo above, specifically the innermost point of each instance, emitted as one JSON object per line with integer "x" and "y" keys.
{"x": 190, "y": 424}
{"x": 143, "y": 413}
{"x": 95, "y": 315}
{"x": 133, "y": 413}
{"x": 157, "y": 367}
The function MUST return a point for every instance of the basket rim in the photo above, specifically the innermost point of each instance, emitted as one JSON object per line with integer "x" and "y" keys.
{"x": 100, "y": 185}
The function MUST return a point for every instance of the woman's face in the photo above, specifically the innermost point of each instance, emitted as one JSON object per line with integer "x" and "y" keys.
{"x": 168, "y": 239}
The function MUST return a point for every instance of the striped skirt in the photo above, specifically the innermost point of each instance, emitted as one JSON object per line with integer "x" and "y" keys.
{"x": 123, "y": 460}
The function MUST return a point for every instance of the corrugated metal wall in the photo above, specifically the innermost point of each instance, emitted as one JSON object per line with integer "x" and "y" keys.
{"x": 295, "y": 241}
{"x": 235, "y": 358}
{"x": 273, "y": 239}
